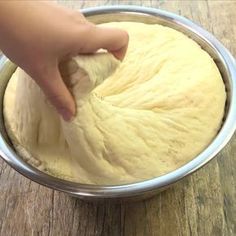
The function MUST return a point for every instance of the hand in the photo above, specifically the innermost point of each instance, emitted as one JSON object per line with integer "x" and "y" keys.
{"x": 38, "y": 35}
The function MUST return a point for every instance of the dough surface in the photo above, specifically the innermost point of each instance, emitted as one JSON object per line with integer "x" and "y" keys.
{"x": 135, "y": 120}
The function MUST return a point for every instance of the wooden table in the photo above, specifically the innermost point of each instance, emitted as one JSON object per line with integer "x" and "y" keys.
{"x": 202, "y": 204}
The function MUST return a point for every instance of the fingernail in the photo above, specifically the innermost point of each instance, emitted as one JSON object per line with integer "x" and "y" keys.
{"x": 66, "y": 114}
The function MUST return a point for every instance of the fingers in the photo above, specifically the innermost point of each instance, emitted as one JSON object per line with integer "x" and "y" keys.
{"x": 57, "y": 93}
{"x": 113, "y": 40}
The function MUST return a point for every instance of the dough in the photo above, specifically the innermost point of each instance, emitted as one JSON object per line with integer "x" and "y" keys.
{"x": 135, "y": 120}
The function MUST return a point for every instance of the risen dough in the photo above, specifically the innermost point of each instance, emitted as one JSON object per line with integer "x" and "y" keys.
{"x": 163, "y": 105}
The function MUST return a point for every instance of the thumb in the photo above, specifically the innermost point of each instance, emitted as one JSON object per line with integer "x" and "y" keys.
{"x": 57, "y": 93}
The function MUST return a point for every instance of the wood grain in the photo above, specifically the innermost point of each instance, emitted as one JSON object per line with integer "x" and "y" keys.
{"x": 202, "y": 204}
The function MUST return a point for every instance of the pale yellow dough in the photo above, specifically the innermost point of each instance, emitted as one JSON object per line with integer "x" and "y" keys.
{"x": 159, "y": 109}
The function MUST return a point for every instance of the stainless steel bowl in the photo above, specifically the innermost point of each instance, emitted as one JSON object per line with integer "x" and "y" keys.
{"x": 208, "y": 42}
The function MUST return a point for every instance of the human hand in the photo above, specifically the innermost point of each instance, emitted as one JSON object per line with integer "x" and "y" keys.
{"x": 38, "y": 35}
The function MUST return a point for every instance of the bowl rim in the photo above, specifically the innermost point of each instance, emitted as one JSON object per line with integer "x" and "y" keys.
{"x": 137, "y": 188}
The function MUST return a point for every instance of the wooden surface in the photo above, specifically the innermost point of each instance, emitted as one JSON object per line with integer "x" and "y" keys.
{"x": 202, "y": 204}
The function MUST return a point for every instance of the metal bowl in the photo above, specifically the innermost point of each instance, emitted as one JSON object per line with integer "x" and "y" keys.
{"x": 144, "y": 189}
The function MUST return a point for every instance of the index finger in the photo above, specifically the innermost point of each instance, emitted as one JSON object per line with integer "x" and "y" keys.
{"x": 112, "y": 39}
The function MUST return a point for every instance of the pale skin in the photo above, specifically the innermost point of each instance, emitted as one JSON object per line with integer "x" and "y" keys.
{"x": 37, "y": 35}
